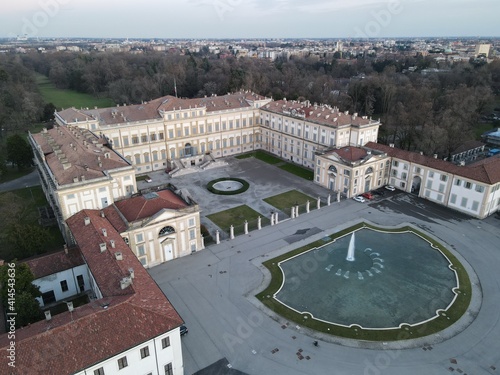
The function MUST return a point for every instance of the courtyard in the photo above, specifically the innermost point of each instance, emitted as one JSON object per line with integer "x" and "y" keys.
{"x": 214, "y": 289}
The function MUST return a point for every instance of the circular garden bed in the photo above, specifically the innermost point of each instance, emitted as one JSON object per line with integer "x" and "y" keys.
{"x": 228, "y": 186}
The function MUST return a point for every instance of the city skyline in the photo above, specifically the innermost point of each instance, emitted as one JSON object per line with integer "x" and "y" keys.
{"x": 200, "y": 19}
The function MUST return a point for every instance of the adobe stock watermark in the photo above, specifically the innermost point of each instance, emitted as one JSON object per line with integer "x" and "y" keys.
{"x": 244, "y": 330}
{"x": 224, "y": 6}
{"x": 32, "y": 25}
{"x": 380, "y": 19}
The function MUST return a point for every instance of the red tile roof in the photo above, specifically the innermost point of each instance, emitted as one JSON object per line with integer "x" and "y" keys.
{"x": 151, "y": 110}
{"x": 71, "y": 342}
{"x": 73, "y": 152}
{"x": 321, "y": 114}
{"x": 350, "y": 154}
{"x": 143, "y": 206}
{"x": 486, "y": 171}
{"x": 49, "y": 264}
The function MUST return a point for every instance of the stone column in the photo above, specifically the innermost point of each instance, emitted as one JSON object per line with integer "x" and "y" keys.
{"x": 338, "y": 196}
{"x": 217, "y": 237}
{"x": 307, "y": 206}
{"x": 276, "y": 220}
{"x": 328, "y": 200}
{"x": 272, "y": 218}
{"x": 202, "y": 242}
{"x": 293, "y": 212}
{"x": 246, "y": 227}
{"x": 231, "y": 232}
{"x": 318, "y": 204}
{"x": 297, "y": 211}
{"x": 259, "y": 223}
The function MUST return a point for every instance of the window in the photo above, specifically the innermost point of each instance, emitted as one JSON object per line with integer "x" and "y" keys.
{"x": 429, "y": 184}
{"x": 125, "y": 141}
{"x": 441, "y": 188}
{"x": 475, "y": 205}
{"x": 453, "y": 198}
{"x": 168, "y": 369}
{"x": 191, "y": 222}
{"x": 139, "y": 237}
{"x": 165, "y": 342}
{"x": 140, "y": 250}
{"x": 99, "y": 371}
{"x": 440, "y": 197}
{"x": 347, "y": 172}
{"x": 444, "y": 178}
{"x": 145, "y": 352}
{"x": 431, "y": 174}
{"x": 171, "y": 133}
{"x": 153, "y": 136}
{"x": 479, "y": 188}
{"x": 144, "y": 138}
{"x": 135, "y": 139}
{"x": 468, "y": 185}
{"x": 122, "y": 363}
{"x": 192, "y": 234}
{"x": 166, "y": 230}
{"x": 64, "y": 286}
{"x": 464, "y": 202}
{"x": 160, "y": 135}
{"x": 403, "y": 175}
{"x": 458, "y": 182}
{"x": 395, "y": 163}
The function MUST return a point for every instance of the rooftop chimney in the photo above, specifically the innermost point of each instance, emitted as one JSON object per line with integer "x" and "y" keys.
{"x": 102, "y": 247}
{"x": 48, "y": 315}
{"x": 70, "y": 306}
{"x": 86, "y": 220}
{"x": 112, "y": 243}
{"x": 104, "y": 232}
{"x": 131, "y": 272}
{"x": 125, "y": 282}
{"x": 118, "y": 255}
{"x": 65, "y": 249}
{"x": 435, "y": 156}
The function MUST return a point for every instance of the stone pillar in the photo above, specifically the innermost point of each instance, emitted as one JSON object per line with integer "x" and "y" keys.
{"x": 202, "y": 242}
{"x": 318, "y": 204}
{"x": 217, "y": 237}
{"x": 338, "y": 196}
{"x": 246, "y": 227}
{"x": 272, "y": 218}
{"x": 297, "y": 211}
{"x": 231, "y": 232}
{"x": 307, "y": 206}
{"x": 328, "y": 200}
{"x": 259, "y": 223}
{"x": 293, "y": 212}
{"x": 276, "y": 220}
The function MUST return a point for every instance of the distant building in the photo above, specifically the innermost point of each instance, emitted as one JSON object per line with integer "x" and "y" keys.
{"x": 482, "y": 50}
{"x": 492, "y": 137}
{"x": 468, "y": 152}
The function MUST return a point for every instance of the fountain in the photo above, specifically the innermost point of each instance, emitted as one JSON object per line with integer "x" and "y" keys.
{"x": 350, "y": 251}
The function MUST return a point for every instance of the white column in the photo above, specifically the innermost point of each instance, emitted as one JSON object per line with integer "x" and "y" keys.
{"x": 217, "y": 237}
{"x": 272, "y": 218}
{"x": 318, "y": 204}
{"x": 202, "y": 242}
{"x": 231, "y": 232}
{"x": 307, "y": 206}
{"x": 338, "y": 196}
{"x": 297, "y": 211}
{"x": 259, "y": 224}
{"x": 246, "y": 227}
{"x": 276, "y": 220}
{"x": 293, "y": 212}
{"x": 328, "y": 200}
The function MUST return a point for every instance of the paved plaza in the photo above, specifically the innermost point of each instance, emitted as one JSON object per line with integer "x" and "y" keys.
{"x": 214, "y": 289}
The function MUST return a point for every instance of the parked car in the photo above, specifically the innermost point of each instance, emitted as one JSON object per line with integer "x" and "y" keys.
{"x": 359, "y": 198}
{"x": 148, "y": 180}
{"x": 390, "y": 187}
{"x": 183, "y": 330}
{"x": 367, "y": 195}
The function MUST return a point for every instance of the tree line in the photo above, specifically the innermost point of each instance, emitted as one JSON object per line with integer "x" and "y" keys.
{"x": 433, "y": 113}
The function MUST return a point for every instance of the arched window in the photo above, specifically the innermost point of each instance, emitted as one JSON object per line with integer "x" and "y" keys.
{"x": 369, "y": 170}
{"x": 166, "y": 230}
{"x": 332, "y": 169}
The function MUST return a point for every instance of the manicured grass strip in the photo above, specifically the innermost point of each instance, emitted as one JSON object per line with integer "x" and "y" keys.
{"x": 12, "y": 173}
{"x": 298, "y": 171}
{"x": 62, "y": 98}
{"x": 290, "y": 198}
{"x": 454, "y": 313}
{"x": 261, "y": 155}
{"x": 236, "y": 216}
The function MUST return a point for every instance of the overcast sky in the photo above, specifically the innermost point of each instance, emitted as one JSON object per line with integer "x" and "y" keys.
{"x": 249, "y": 18}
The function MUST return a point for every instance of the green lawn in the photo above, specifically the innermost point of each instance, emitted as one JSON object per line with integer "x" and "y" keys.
{"x": 23, "y": 205}
{"x": 453, "y": 314}
{"x": 482, "y": 128}
{"x": 236, "y": 216}
{"x": 298, "y": 171}
{"x": 290, "y": 198}
{"x": 68, "y": 98}
{"x": 261, "y": 155}
{"x": 12, "y": 173}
